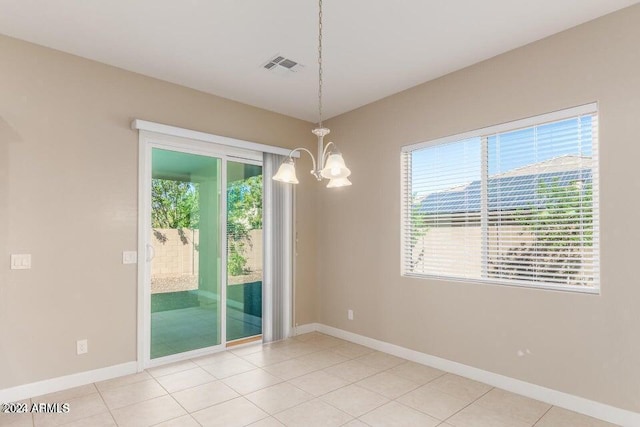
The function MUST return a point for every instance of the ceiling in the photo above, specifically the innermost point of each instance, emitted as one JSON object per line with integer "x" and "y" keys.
{"x": 372, "y": 48}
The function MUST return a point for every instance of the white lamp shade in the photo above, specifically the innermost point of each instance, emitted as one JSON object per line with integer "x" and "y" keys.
{"x": 338, "y": 182}
{"x": 286, "y": 173}
{"x": 335, "y": 167}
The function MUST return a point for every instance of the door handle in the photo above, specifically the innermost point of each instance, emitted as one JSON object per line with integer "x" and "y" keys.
{"x": 151, "y": 253}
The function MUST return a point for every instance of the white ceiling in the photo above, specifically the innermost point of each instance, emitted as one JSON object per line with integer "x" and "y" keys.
{"x": 372, "y": 48}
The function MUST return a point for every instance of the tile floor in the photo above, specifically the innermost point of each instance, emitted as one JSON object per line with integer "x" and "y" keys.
{"x": 182, "y": 329}
{"x": 310, "y": 380}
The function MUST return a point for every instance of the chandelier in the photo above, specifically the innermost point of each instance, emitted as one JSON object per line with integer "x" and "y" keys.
{"x": 330, "y": 164}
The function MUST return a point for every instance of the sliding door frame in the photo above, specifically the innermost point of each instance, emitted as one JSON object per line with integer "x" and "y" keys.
{"x": 146, "y": 142}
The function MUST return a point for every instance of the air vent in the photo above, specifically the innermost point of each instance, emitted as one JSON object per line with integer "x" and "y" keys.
{"x": 282, "y": 65}
{"x": 287, "y": 63}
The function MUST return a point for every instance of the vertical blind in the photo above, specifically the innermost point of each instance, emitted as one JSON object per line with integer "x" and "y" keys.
{"x": 278, "y": 253}
{"x": 515, "y": 203}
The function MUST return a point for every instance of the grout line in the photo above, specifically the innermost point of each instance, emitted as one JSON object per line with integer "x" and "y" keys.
{"x": 105, "y": 404}
{"x": 441, "y": 422}
{"x": 471, "y": 403}
{"x": 259, "y": 408}
{"x": 396, "y": 398}
{"x": 176, "y": 400}
{"x": 542, "y": 416}
{"x": 288, "y": 381}
{"x": 175, "y": 418}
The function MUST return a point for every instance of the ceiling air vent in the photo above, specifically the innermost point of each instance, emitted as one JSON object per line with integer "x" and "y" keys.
{"x": 282, "y": 65}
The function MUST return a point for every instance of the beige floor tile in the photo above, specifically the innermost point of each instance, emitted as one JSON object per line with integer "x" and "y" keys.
{"x": 558, "y": 417}
{"x": 434, "y": 402}
{"x": 214, "y": 358}
{"x": 351, "y": 350}
{"x": 267, "y": 357}
{"x": 322, "y": 359}
{"x": 148, "y": 413}
{"x": 267, "y": 422}
{"x": 183, "y": 421}
{"x": 132, "y": 393}
{"x": 66, "y": 395}
{"x": 172, "y": 368}
{"x": 351, "y": 371}
{"x": 236, "y": 412}
{"x": 79, "y": 408}
{"x": 281, "y": 344}
{"x": 518, "y": 407}
{"x": 247, "y": 349}
{"x": 356, "y": 423}
{"x": 308, "y": 336}
{"x": 205, "y": 395}
{"x": 289, "y": 369}
{"x": 279, "y": 397}
{"x": 297, "y": 349}
{"x": 228, "y": 368}
{"x": 388, "y": 385}
{"x": 416, "y": 372}
{"x": 18, "y": 419}
{"x": 394, "y": 414}
{"x": 101, "y": 420}
{"x": 380, "y": 360}
{"x": 462, "y": 388}
{"x": 318, "y": 383}
{"x": 325, "y": 341}
{"x": 315, "y": 365}
{"x": 120, "y": 381}
{"x": 185, "y": 379}
{"x": 314, "y": 413}
{"x": 478, "y": 416}
{"x": 354, "y": 400}
{"x": 251, "y": 381}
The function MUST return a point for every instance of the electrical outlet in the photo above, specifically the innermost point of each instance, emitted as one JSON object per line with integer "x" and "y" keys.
{"x": 20, "y": 261}
{"x": 82, "y": 347}
{"x": 350, "y": 314}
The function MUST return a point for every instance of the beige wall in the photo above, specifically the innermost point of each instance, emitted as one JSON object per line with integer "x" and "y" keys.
{"x": 69, "y": 162}
{"x": 581, "y": 344}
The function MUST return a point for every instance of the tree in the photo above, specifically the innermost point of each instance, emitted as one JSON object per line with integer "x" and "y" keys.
{"x": 418, "y": 228}
{"x": 244, "y": 213}
{"x": 566, "y": 216}
{"x": 174, "y": 204}
{"x": 561, "y": 227}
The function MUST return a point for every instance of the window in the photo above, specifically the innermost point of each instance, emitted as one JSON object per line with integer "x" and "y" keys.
{"x": 514, "y": 204}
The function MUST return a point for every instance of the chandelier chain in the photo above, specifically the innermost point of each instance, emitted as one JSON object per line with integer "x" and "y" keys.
{"x": 320, "y": 64}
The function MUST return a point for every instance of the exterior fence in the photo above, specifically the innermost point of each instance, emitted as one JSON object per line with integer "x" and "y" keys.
{"x": 439, "y": 251}
{"x": 175, "y": 265}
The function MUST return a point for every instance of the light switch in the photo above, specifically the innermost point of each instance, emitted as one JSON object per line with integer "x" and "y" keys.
{"x": 20, "y": 261}
{"x": 129, "y": 257}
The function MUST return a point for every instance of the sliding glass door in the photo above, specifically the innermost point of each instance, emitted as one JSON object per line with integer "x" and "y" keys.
{"x": 244, "y": 250}
{"x": 185, "y": 244}
{"x": 203, "y": 240}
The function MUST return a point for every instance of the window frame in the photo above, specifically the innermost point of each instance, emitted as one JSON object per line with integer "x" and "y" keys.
{"x": 484, "y": 134}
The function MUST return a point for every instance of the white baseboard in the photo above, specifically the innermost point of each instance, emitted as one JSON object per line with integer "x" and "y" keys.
{"x": 554, "y": 397}
{"x": 52, "y": 385}
{"x": 306, "y": 328}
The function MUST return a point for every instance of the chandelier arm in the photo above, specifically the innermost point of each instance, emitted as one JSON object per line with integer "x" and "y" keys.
{"x": 315, "y": 171}
{"x": 324, "y": 152}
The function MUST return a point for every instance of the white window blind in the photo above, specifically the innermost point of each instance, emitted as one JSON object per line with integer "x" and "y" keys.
{"x": 513, "y": 204}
